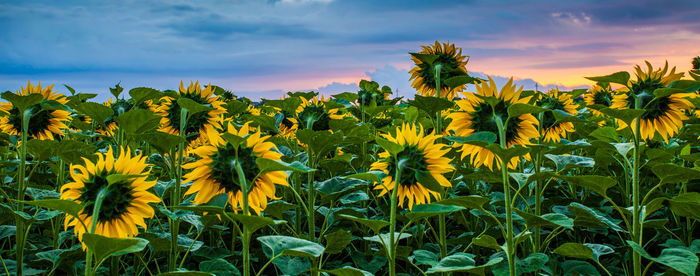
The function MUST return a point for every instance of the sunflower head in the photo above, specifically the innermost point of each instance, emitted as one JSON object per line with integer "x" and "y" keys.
{"x": 370, "y": 93}
{"x": 599, "y": 94}
{"x": 125, "y": 203}
{"x": 200, "y": 126}
{"x": 215, "y": 172}
{"x": 664, "y": 115}
{"x": 474, "y": 115}
{"x": 696, "y": 63}
{"x": 44, "y": 124}
{"x": 554, "y": 99}
{"x": 315, "y": 115}
{"x": 452, "y": 64}
{"x": 420, "y": 155}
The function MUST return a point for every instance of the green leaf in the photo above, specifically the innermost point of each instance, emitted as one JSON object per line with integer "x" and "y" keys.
{"x": 551, "y": 219}
{"x": 621, "y": 77}
{"x": 426, "y": 179}
{"x": 487, "y": 241}
{"x": 192, "y": 106}
{"x": 319, "y": 142}
{"x": 269, "y": 165}
{"x": 424, "y": 257}
{"x": 337, "y": 187}
{"x": 185, "y": 273}
{"x": 532, "y": 263}
{"x": 350, "y": 97}
{"x": 469, "y": 202}
{"x": 670, "y": 173}
{"x": 575, "y": 250}
{"x": 588, "y": 217}
{"x": 372, "y": 176}
{"x": 138, "y": 121}
{"x": 389, "y": 146}
{"x": 425, "y": 58}
{"x": 518, "y": 109}
{"x": 337, "y": 241}
{"x": 219, "y": 267}
{"x": 599, "y": 250}
{"x": 234, "y": 140}
{"x": 42, "y": 149}
{"x": 105, "y": 247}
{"x": 431, "y": 105}
{"x": 116, "y": 91}
{"x": 385, "y": 238}
{"x": 686, "y": 205}
{"x": 626, "y": 115}
{"x": 375, "y": 225}
{"x": 667, "y": 91}
{"x": 67, "y": 206}
{"x": 486, "y": 137}
{"x": 429, "y": 210}
{"x": 606, "y": 134}
{"x": 97, "y": 112}
{"x": 577, "y": 267}
{"x": 142, "y": 94}
{"x": 689, "y": 86}
{"x": 163, "y": 142}
{"x": 274, "y": 246}
{"x": 677, "y": 258}
{"x": 457, "y": 81}
{"x": 596, "y": 183}
{"x": 22, "y": 102}
{"x": 254, "y": 223}
{"x": 565, "y": 162}
{"x": 461, "y": 262}
{"x": 348, "y": 271}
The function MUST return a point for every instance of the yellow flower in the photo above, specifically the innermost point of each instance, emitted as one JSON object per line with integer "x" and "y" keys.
{"x": 600, "y": 94}
{"x": 214, "y": 173}
{"x": 43, "y": 124}
{"x": 554, "y": 99}
{"x": 453, "y": 64}
{"x": 125, "y": 204}
{"x": 422, "y": 155}
{"x": 316, "y": 113}
{"x": 475, "y": 115}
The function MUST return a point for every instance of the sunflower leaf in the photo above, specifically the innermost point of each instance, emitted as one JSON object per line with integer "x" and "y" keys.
{"x": 670, "y": 173}
{"x": 686, "y": 205}
{"x": 430, "y": 210}
{"x": 136, "y": 122}
{"x": 689, "y": 86}
{"x": 161, "y": 141}
{"x": 22, "y": 102}
{"x": 254, "y": 223}
{"x": 350, "y": 97}
{"x": 67, "y": 206}
{"x": 431, "y": 105}
{"x": 104, "y": 247}
{"x": 97, "y": 112}
{"x": 274, "y": 246}
{"x": 626, "y": 115}
{"x": 486, "y": 137}
{"x": 142, "y": 94}
{"x": 575, "y": 250}
{"x": 348, "y": 271}
{"x": 518, "y": 109}
{"x": 269, "y": 165}
{"x": 375, "y": 225}
{"x": 425, "y": 58}
{"x": 457, "y": 81}
{"x": 391, "y": 147}
{"x": 234, "y": 140}
{"x": 469, "y": 202}
{"x": 677, "y": 258}
{"x": 621, "y": 77}
{"x": 461, "y": 262}
{"x": 372, "y": 176}
{"x": 192, "y": 106}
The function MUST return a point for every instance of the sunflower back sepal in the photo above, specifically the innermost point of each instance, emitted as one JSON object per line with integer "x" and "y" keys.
{"x": 425, "y": 58}
{"x": 426, "y": 179}
{"x": 234, "y": 140}
{"x": 105, "y": 247}
{"x": 621, "y": 77}
{"x": 22, "y": 102}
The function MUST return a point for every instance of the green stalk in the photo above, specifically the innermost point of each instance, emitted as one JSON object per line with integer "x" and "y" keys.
{"x": 510, "y": 250}
{"x": 392, "y": 217}
{"x": 246, "y": 231}
{"x": 26, "y": 115}
{"x": 538, "y": 185}
{"x": 636, "y": 224}
{"x": 442, "y": 219}
{"x": 177, "y": 194}
{"x": 310, "y": 212}
{"x": 95, "y": 217}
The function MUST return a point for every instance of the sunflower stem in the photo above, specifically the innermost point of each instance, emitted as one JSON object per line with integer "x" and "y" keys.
{"x": 637, "y": 223}
{"x": 26, "y": 116}
{"x": 310, "y": 212}
{"x": 246, "y": 232}
{"x": 442, "y": 219}
{"x": 538, "y": 183}
{"x": 510, "y": 248}
{"x": 95, "y": 217}
{"x": 177, "y": 194}
{"x": 392, "y": 217}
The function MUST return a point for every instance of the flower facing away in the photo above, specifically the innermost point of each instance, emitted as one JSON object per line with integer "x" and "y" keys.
{"x": 44, "y": 124}
{"x": 215, "y": 172}
{"x": 554, "y": 99}
{"x": 476, "y": 115}
{"x": 125, "y": 203}
{"x": 664, "y": 115}
{"x": 314, "y": 114}
{"x": 422, "y": 155}
{"x": 453, "y": 64}
{"x": 599, "y": 94}
{"x": 200, "y": 126}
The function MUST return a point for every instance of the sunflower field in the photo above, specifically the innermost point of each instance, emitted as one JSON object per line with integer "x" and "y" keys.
{"x": 465, "y": 177}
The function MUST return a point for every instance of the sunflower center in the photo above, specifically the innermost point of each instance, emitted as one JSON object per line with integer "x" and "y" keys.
{"x": 414, "y": 165}
{"x": 604, "y": 98}
{"x": 195, "y": 121}
{"x": 286, "y": 122}
{"x": 38, "y": 122}
{"x": 447, "y": 61}
{"x": 118, "y": 197}
{"x": 315, "y": 114}
{"x": 483, "y": 120}
{"x": 644, "y": 90}
{"x": 223, "y": 166}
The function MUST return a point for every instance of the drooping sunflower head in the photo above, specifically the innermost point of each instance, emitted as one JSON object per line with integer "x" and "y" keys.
{"x": 315, "y": 115}
{"x": 420, "y": 155}
{"x": 452, "y": 62}
{"x": 43, "y": 123}
{"x": 474, "y": 115}
{"x": 200, "y": 126}
{"x": 696, "y": 63}
{"x": 554, "y": 99}
{"x": 125, "y": 203}
{"x": 215, "y": 172}
{"x": 599, "y": 94}
{"x": 663, "y": 115}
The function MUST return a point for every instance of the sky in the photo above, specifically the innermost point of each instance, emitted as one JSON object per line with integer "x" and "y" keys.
{"x": 261, "y": 49}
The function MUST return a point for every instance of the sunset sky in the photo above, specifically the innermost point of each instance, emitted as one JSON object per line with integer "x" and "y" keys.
{"x": 263, "y": 48}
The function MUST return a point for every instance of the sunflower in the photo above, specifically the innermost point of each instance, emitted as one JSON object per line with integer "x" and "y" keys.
{"x": 453, "y": 64}
{"x": 600, "y": 94}
{"x": 200, "y": 126}
{"x": 215, "y": 174}
{"x": 663, "y": 115}
{"x": 125, "y": 203}
{"x": 314, "y": 112}
{"x": 288, "y": 126}
{"x": 44, "y": 123}
{"x": 553, "y": 99}
{"x": 476, "y": 115}
{"x": 422, "y": 155}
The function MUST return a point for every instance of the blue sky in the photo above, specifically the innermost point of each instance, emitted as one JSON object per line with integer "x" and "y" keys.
{"x": 262, "y": 48}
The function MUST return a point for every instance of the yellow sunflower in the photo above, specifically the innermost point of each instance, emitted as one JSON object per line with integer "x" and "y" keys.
{"x": 215, "y": 174}
{"x": 663, "y": 115}
{"x": 125, "y": 203}
{"x": 422, "y": 155}
{"x": 288, "y": 127}
{"x": 475, "y": 115}
{"x": 43, "y": 124}
{"x": 453, "y": 64}
{"x": 600, "y": 94}
{"x": 314, "y": 112}
{"x": 554, "y": 99}
{"x": 201, "y": 125}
